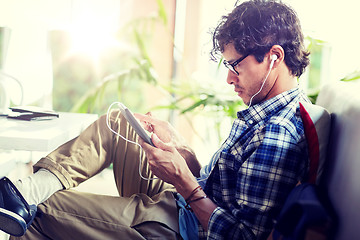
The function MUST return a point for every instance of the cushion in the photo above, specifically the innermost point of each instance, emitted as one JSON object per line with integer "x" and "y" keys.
{"x": 341, "y": 175}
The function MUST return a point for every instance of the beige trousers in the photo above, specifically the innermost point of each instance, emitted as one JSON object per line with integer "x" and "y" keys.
{"x": 144, "y": 209}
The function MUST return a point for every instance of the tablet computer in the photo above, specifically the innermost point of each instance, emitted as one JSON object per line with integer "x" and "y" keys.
{"x": 135, "y": 123}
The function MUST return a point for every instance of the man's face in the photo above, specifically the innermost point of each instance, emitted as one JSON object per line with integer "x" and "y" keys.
{"x": 251, "y": 75}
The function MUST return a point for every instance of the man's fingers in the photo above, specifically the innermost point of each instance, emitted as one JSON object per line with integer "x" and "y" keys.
{"x": 147, "y": 118}
{"x": 145, "y": 124}
{"x": 159, "y": 143}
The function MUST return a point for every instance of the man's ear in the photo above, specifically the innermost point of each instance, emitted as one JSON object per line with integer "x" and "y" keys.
{"x": 279, "y": 52}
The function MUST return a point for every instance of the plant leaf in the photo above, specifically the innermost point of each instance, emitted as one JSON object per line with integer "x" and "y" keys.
{"x": 351, "y": 77}
{"x": 162, "y": 11}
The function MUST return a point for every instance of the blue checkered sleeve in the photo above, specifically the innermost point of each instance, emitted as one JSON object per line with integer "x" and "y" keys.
{"x": 252, "y": 179}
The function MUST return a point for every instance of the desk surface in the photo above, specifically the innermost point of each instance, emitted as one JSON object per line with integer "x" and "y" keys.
{"x": 45, "y": 135}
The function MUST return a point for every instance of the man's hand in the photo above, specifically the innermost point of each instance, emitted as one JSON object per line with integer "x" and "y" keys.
{"x": 172, "y": 161}
{"x": 162, "y": 129}
{"x": 167, "y": 164}
{"x": 167, "y": 134}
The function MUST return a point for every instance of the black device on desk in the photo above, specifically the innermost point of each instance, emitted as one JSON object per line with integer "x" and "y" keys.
{"x": 32, "y": 113}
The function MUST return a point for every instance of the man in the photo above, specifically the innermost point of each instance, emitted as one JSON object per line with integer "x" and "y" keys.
{"x": 238, "y": 195}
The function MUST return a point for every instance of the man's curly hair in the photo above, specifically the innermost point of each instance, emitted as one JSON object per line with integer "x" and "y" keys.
{"x": 255, "y": 26}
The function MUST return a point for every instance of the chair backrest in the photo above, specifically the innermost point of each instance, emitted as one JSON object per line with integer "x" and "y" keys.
{"x": 317, "y": 121}
{"x": 341, "y": 177}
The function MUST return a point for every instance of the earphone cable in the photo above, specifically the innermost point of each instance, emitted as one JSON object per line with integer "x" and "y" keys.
{"x": 262, "y": 86}
{"x": 132, "y": 142}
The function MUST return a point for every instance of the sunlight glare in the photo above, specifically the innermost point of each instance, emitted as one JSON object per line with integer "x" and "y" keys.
{"x": 91, "y": 36}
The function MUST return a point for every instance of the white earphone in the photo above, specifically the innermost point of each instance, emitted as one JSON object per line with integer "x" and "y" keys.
{"x": 273, "y": 59}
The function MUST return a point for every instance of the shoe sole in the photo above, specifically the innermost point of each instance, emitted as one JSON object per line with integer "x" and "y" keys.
{"x": 12, "y": 223}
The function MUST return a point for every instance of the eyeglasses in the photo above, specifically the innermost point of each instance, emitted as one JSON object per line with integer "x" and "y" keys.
{"x": 232, "y": 66}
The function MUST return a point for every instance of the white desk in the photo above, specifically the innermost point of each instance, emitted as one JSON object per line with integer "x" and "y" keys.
{"x": 17, "y": 136}
{"x": 44, "y": 135}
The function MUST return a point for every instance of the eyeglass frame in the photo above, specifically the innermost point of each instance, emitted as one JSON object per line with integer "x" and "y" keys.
{"x": 234, "y": 64}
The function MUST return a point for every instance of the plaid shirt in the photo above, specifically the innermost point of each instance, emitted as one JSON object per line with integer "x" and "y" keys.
{"x": 260, "y": 162}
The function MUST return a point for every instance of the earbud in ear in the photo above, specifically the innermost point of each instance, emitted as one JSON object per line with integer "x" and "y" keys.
{"x": 273, "y": 59}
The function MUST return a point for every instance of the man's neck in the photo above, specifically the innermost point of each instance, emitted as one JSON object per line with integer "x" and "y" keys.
{"x": 284, "y": 82}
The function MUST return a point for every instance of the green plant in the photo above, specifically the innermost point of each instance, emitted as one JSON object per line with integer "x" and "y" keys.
{"x": 195, "y": 98}
{"x": 98, "y": 84}
{"x": 123, "y": 81}
{"x": 351, "y": 77}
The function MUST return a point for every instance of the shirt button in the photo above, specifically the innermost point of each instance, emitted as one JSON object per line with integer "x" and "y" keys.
{"x": 251, "y": 122}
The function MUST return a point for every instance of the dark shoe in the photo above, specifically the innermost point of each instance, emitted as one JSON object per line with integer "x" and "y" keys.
{"x": 15, "y": 213}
